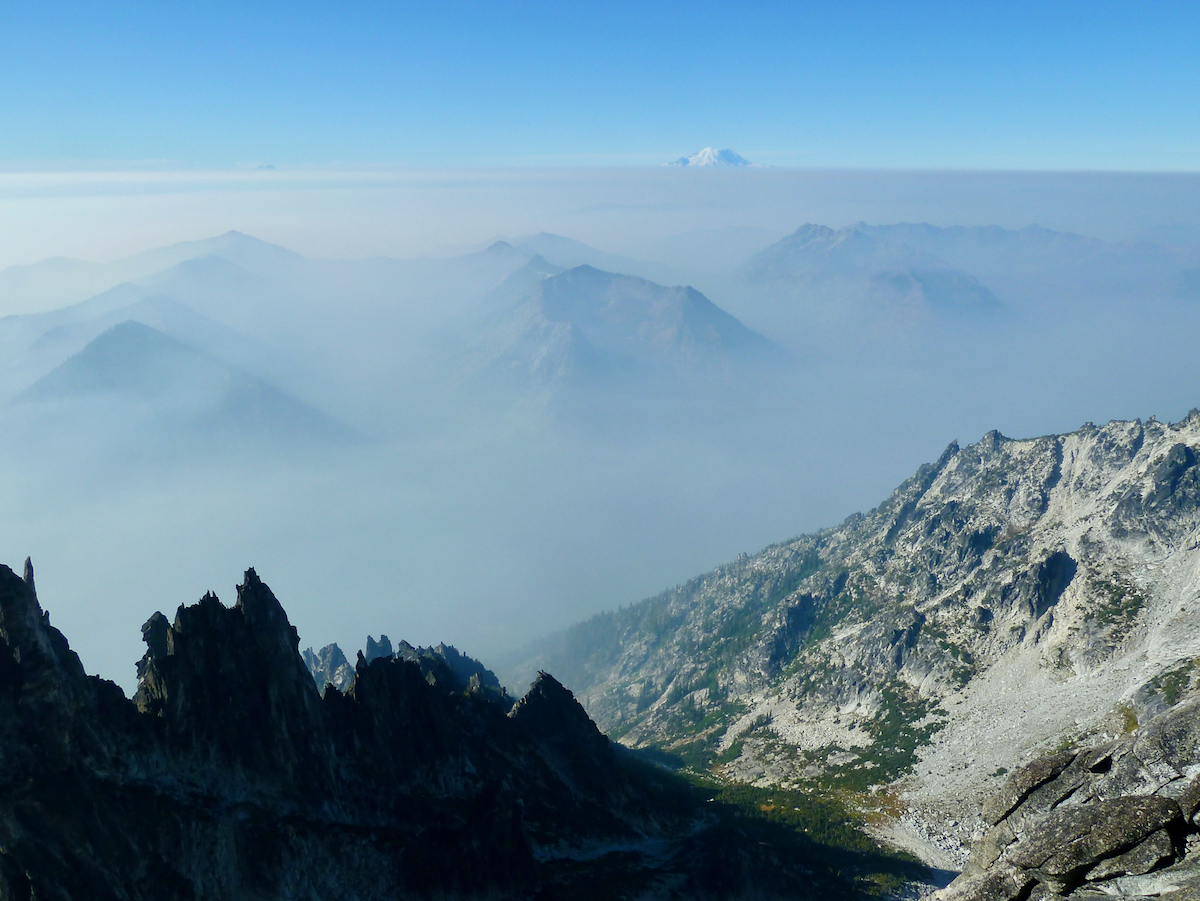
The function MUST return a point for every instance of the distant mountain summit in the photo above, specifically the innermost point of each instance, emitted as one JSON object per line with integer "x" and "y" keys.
{"x": 591, "y": 328}
{"x": 711, "y": 156}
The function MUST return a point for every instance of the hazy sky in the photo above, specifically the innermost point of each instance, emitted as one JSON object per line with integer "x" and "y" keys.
{"x": 351, "y": 130}
{"x": 1093, "y": 85}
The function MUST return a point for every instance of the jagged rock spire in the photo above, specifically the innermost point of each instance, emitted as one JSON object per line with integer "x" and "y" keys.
{"x": 28, "y": 576}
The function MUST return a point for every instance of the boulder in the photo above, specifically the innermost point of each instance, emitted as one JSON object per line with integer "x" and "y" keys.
{"x": 1114, "y": 820}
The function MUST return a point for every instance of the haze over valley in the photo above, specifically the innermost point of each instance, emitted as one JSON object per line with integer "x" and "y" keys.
{"x": 490, "y": 443}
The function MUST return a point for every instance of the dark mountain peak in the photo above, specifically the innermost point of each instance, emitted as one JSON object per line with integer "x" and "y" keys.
{"x": 35, "y": 656}
{"x": 229, "y": 687}
{"x": 381, "y": 648}
{"x": 449, "y": 667}
{"x": 548, "y": 702}
{"x": 264, "y": 615}
{"x": 551, "y": 713}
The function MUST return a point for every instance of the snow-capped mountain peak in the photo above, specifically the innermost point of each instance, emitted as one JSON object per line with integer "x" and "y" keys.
{"x": 711, "y": 156}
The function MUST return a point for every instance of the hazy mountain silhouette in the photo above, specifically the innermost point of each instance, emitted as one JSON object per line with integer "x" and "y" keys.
{"x": 816, "y": 258}
{"x": 588, "y": 328}
{"x": 135, "y": 369}
{"x": 60, "y": 281}
{"x": 1040, "y": 262}
{"x": 568, "y": 253}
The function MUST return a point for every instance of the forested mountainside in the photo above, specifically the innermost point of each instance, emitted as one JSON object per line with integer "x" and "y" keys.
{"x": 228, "y": 776}
{"x": 1012, "y": 595}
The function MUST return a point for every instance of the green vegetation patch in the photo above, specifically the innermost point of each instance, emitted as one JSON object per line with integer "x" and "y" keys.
{"x": 896, "y": 735}
{"x": 811, "y": 832}
{"x": 1177, "y": 682}
{"x": 1129, "y": 720}
{"x": 1120, "y": 602}
{"x": 737, "y": 840}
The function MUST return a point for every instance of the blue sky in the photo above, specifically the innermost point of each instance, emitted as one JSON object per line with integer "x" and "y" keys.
{"x": 917, "y": 85}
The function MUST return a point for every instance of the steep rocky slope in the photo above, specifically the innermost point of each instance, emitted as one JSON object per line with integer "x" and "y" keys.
{"x": 1008, "y": 597}
{"x": 229, "y": 777}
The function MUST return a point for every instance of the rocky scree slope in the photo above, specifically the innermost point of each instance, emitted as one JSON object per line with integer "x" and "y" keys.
{"x": 228, "y": 776}
{"x": 1118, "y": 819}
{"x": 1012, "y": 595}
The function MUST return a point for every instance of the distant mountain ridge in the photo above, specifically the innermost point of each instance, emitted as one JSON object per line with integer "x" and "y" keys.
{"x": 29, "y": 287}
{"x": 826, "y": 264}
{"x": 447, "y": 664}
{"x": 1041, "y": 262}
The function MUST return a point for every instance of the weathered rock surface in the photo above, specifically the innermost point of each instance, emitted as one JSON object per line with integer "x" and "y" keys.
{"x": 1113, "y": 820}
{"x": 228, "y": 776}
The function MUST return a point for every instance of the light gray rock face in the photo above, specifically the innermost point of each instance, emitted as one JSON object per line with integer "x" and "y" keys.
{"x": 1115, "y": 820}
{"x": 1012, "y": 596}
{"x": 329, "y": 666}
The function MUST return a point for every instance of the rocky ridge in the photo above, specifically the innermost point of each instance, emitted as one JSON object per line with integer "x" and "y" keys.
{"x": 330, "y": 667}
{"x": 228, "y": 776}
{"x": 1012, "y": 595}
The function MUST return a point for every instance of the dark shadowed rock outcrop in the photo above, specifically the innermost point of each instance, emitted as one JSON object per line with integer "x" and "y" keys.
{"x": 230, "y": 776}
